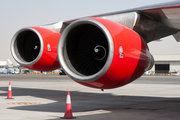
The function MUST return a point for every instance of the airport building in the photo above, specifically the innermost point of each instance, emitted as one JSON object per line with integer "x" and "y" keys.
{"x": 166, "y": 64}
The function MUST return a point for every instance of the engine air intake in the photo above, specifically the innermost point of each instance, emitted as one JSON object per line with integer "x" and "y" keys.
{"x": 87, "y": 49}
{"x": 28, "y": 45}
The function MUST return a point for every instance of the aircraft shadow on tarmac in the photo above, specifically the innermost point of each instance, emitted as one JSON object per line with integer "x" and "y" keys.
{"x": 82, "y": 101}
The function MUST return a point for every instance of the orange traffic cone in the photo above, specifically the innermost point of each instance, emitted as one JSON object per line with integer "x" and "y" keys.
{"x": 68, "y": 112}
{"x": 9, "y": 96}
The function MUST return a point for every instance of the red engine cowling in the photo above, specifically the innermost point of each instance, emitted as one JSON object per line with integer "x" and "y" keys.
{"x": 36, "y": 48}
{"x": 102, "y": 54}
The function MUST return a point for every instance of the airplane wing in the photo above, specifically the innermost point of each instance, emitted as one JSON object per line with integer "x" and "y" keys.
{"x": 101, "y": 51}
{"x": 151, "y": 22}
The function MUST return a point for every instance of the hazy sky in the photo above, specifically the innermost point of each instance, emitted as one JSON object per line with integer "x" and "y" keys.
{"x": 16, "y": 14}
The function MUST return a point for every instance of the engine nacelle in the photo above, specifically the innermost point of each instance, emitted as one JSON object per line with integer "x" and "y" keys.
{"x": 36, "y": 48}
{"x": 102, "y": 54}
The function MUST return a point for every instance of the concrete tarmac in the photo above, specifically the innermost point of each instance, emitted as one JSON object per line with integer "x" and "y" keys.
{"x": 43, "y": 97}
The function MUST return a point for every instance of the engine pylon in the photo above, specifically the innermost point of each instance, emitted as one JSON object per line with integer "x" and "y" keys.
{"x": 68, "y": 112}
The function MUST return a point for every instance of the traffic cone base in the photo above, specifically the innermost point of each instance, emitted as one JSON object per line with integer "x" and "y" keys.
{"x": 68, "y": 117}
{"x": 9, "y": 96}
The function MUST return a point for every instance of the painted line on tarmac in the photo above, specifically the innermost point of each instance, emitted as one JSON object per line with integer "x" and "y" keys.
{"x": 25, "y": 103}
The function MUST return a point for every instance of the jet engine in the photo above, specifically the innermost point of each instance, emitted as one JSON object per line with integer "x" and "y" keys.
{"x": 36, "y": 48}
{"x": 102, "y": 54}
